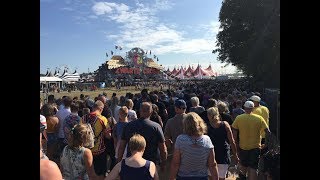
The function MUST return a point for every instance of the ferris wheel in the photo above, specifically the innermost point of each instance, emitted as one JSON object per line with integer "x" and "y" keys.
{"x": 137, "y": 56}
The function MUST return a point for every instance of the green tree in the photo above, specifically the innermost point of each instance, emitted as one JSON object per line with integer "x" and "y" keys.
{"x": 250, "y": 38}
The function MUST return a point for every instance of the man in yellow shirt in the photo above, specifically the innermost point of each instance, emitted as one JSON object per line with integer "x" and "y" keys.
{"x": 101, "y": 129}
{"x": 262, "y": 111}
{"x": 249, "y": 127}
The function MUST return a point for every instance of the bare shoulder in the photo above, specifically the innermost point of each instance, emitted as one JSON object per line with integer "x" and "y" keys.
{"x": 87, "y": 153}
{"x": 152, "y": 168}
{"x": 46, "y": 163}
{"x": 49, "y": 170}
{"x": 227, "y": 125}
{"x": 152, "y": 164}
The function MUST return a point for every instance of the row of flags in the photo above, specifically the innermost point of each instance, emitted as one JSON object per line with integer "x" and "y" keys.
{"x": 116, "y": 47}
{"x": 120, "y": 48}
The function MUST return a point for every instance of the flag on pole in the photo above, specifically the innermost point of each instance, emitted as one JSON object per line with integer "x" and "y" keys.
{"x": 150, "y": 52}
{"x": 120, "y": 48}
{"x": 107, "y": 54}
{"x": 116, "y": 47}
{"x": 111, "y": 52}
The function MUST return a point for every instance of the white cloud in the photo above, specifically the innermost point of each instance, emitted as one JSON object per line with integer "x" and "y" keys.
{"x": 163, "y": 4}
{"x": 139, "y": 27}
{"x": 101, "y": 8}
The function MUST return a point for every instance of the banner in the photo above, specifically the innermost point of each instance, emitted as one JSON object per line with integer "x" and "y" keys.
{"x": 126, "y": 70}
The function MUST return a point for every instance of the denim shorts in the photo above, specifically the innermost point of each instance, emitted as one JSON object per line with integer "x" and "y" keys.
{"x": 250, "y": 158}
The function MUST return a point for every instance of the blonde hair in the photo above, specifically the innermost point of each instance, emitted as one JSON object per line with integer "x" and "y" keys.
{"x": 193, "y": 125}
{"x": 222, "y": 107}
{"x": 129, "y": 103}
{"x": 124, "y": 110}
{"x": 195, "y": 100}
{"x": 137, "y": 143}
{"x": 213, "y": 112}
{"x": 80, "y": 134}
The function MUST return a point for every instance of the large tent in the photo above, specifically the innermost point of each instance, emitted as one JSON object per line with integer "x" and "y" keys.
{"x": 70, "y": 78}
{"x": 47, "y": 81}
{"x": 180, "y": 73}
{"x": 188, "y": 72}
{"x": 210, "y": 71}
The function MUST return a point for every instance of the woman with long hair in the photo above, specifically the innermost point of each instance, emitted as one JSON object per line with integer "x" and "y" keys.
{"x": 48, "y": 111}
{"x": 76, "y": 160}
{"x": 221, "y": 136}
{"x": 187, "y": 164}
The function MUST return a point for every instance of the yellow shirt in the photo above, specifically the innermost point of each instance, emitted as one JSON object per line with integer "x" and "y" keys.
{"x": 264, "y": 112}
{"x": 250, "y": 127}
{"x": 99, "y": 145}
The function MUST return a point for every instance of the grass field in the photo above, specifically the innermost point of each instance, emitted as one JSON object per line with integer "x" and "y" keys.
{"x": 92, "y": 94}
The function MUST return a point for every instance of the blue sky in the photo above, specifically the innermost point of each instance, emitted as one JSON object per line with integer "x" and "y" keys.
{"x": 79, "y": 33}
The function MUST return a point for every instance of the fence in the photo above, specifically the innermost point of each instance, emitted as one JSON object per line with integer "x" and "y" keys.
{"x": 272, "y": 98}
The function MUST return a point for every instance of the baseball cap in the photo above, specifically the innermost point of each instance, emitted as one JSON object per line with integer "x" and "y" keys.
{"x": 180, "y": 103}
{"x": 248, "y": 104}
{"x": 255, "y": 98}
{"x": 90, "y": 103}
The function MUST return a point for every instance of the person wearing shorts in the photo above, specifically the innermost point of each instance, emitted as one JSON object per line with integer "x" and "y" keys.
{"x": 249, "y": 127}
{"x": 249, "y": 158}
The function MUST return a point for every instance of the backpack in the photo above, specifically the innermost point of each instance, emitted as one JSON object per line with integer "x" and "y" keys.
{"x": 90, "y": 121}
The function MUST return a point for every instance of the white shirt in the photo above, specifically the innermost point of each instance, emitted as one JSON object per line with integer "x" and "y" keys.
{"x": 116, "y": 113}
{"x": 43, "y": 121}
{"x": 132, "y": 115}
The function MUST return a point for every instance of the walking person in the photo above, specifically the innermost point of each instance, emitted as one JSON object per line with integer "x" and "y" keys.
{"x": 221, "y": 136}
{"x": 135, "y": 166}
{"x": 187, "y": 164}
{"x": 249, "y": 126}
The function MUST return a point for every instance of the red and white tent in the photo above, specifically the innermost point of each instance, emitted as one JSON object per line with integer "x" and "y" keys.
{"x": 180, "y": 73}
{"x": 191, "y": 73}
{"x": 210, "y": 71}
{"x": 188, "y": 72}
{"x": 199, "y": 73}
{"x": 174, "y": 71}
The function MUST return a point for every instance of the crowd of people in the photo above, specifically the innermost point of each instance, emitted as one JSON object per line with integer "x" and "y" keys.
{"x": 194, "y": 131}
